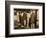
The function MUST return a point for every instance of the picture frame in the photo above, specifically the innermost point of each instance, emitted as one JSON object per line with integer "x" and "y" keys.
{"x": 11, "y": 6}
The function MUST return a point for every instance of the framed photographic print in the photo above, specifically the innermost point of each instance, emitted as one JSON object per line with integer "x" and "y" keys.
{"x": 24, "y": 18}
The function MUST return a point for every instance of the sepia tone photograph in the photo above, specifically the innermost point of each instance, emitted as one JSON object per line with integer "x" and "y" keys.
{"x": 26, "y": 18}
